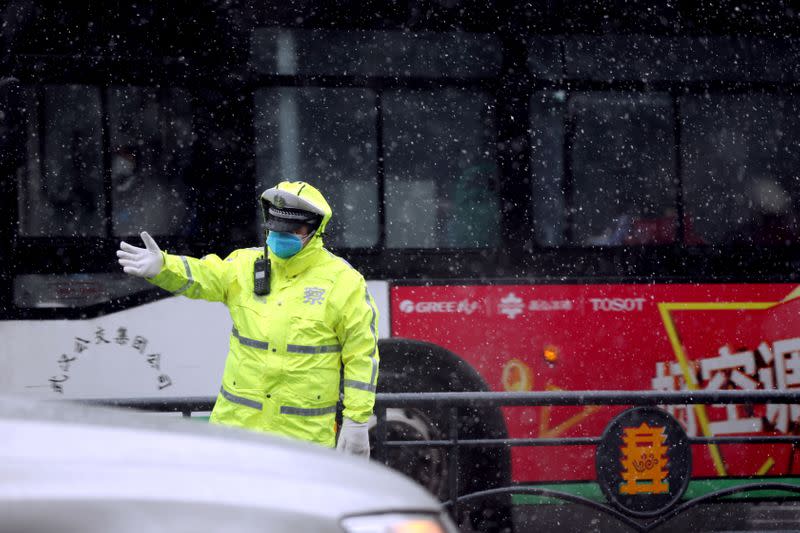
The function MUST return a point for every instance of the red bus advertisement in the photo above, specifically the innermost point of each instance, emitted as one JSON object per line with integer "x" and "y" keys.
{"x": 644, "y": 336}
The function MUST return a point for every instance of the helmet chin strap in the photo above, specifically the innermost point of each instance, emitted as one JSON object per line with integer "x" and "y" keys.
{"x": 309, "y": 236}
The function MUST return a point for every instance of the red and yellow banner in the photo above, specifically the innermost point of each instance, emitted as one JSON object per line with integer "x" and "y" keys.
{"x": 622, "y": 337}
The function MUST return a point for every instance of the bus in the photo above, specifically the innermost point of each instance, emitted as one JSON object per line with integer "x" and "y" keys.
{"x": 541, "y": 197}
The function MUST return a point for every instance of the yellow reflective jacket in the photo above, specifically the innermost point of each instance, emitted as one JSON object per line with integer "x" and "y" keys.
{"x": 287, "y": 349}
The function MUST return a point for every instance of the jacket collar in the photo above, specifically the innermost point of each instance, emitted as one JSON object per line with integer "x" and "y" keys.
{"x": 301, "y": 261}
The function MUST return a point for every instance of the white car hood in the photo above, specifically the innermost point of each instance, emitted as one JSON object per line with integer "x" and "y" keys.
{"x": 52, "y": 452}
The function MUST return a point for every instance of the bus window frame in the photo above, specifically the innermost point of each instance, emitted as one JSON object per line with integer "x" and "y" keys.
{"x": 516, "y": 257}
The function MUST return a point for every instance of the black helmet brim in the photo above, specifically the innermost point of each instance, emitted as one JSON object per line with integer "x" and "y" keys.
{"x": 287, "y": 219}
{"x": 283, "y": 225}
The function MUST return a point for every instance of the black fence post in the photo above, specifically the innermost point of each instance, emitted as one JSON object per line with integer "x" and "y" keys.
{"x": 453, "y": 460}
{"x": 380, "y": 435}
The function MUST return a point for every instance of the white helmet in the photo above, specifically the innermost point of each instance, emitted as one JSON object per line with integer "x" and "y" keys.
{"x": 289, "y": 205}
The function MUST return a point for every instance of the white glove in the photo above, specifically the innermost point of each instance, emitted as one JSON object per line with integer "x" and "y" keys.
{"x": 354, "y": 438}
{"x": 142, "y": 262}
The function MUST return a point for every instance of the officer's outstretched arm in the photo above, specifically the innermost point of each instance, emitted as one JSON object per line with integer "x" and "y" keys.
{"x": 205, "y": 278}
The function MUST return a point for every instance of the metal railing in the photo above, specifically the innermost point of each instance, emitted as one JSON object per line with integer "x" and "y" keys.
{"x": 578, "y": 398}
{"x": 454, "y": 401}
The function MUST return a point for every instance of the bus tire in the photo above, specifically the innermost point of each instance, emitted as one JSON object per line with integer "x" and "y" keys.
{"x": 415, "y": 366}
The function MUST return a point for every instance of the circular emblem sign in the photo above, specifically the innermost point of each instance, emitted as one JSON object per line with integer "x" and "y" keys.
{"x": 644, "y": 461}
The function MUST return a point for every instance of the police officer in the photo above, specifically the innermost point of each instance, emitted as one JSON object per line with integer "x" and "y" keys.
{"x": 299, "y": 314}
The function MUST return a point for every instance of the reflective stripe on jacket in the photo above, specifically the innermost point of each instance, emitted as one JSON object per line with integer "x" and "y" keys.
{"x": 287, "y": 348}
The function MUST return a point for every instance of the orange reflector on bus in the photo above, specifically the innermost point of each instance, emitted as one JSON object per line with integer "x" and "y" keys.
{"x": 550, "y": 354}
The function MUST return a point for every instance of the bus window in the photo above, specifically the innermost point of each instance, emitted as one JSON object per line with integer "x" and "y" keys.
{"x": 622, "y": 169}
{"x": 547, "y": 167}
{"x": 74, "y": 290}
{"x": 440, "y": 170}
{"x": 641, "y": 57}
{"x": 740, "y": 168}
{"x": 61, "y": 191}
{"x": 151, "y": 140}
{"x": 328, "y": 137}
{"x": 375, "y": 53}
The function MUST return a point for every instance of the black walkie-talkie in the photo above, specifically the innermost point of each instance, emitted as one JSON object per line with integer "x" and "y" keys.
{"x": 261, "y": 270}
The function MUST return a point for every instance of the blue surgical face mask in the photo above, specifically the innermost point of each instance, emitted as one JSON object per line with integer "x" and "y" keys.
{"x": 284, "y": 245}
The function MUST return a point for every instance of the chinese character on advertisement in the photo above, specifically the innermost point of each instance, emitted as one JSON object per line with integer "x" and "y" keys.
{"x": 763, "y": 368}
